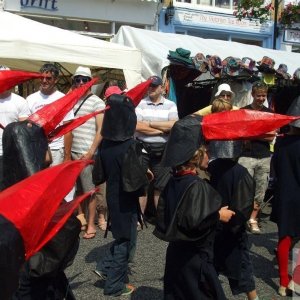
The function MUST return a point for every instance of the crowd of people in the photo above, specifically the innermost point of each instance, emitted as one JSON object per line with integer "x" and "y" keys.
{"x": 146, "y": 155}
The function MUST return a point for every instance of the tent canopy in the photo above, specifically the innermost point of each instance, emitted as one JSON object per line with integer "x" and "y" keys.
{"x": 27, "y": 44}
{"x": 155, "y": 48}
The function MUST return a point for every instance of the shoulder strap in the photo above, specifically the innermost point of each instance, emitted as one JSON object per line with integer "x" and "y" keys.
{"x": 86, "y": 97}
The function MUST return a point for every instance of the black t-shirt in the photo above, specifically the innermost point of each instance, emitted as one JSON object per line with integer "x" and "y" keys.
{"x": 256, "y": 148}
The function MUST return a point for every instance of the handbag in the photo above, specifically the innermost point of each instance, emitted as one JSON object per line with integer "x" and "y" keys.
{"x": 155, "y": 150}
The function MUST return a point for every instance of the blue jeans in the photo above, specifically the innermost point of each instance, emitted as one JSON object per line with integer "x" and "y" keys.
{"x": 115, "y": 263}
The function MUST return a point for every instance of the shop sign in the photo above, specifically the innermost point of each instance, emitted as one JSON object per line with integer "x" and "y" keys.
{"x": 41, "y": 4}
{"x": 291, "y": 36}
{"x": 197, "y": 18}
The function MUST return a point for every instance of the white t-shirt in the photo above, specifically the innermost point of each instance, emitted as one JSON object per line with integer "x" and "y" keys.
{"x": 12, "y": 109}
{"x": 38, "y": 100}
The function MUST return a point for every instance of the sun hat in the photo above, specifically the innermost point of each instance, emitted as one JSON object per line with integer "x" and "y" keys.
{"x": 201, "y": 62}
{"x": 215, "y": 65}
{"x": 181, "y": 56}
{"x": 112, "y": 90}
{"x": 282, "y": 71}
{"x": 232, "y": 66}
{"x": 296, "y": 75}
{"x": 224, "y": 87}
{"x": 83, "y": 71}
{"x": 266, "y": 65}
{"x": 249, "y": 64}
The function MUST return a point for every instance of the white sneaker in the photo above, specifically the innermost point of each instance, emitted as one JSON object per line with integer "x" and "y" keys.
{"x": 253, "y": 226}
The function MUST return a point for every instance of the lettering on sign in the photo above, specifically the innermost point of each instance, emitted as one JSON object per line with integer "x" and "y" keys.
{"x": 291, "y": 36}
{"x": 41, "y": 4}
{"x": 192, "y": 18}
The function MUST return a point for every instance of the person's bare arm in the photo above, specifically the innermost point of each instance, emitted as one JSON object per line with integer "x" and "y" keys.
{"x": 97, "y": 138}
{"x": 144, "y": 128}
{"x": 164, "y": 126}
{"x": 23, "y": 118}
{"x": 68, "y": 139}
{"x": 267, "y": 137}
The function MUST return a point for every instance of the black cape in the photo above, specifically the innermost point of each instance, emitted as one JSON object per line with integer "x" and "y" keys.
{"x": 286, "y": 205}
{"x": 126, "y": 179}
{"x": 187, "y": 215}
{"x": 237, "y": 188}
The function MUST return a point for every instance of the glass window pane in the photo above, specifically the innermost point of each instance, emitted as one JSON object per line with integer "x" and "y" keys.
{"x": 223, "y": 3}
{"x": 205, "y": 2}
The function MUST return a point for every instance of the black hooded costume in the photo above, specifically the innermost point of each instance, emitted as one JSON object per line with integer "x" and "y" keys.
{"x": 187, "y": 216}
{"x": 24, "y": 151}
{"x": 119, "y": 164}
{"x": 237, "y": 188}
{"x": 286, "y": 162}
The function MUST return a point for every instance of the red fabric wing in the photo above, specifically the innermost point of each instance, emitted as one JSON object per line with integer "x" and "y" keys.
{"x": 63, "y": 129}
{"x": 243, "y": 123}
{"x": 31, "y": 203}
{"x": 59, "y": 219}
{"x": 137, "y": 93}
{"x": 10, "y": 78}
{"x": 52, "y": 114}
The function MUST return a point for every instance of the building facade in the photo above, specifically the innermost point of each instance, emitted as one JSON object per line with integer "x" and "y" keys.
{"x": 98, "y": 18}
{"x": 214, "y": 19}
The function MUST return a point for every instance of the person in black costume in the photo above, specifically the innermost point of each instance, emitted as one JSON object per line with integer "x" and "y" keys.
{"x": 237, "y": 188}
{"x": 286, "y": 205}
{"x": 189, "y": 210}
{"x": 120, "y": 165}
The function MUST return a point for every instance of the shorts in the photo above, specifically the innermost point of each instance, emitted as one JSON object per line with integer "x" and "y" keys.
{"x": 85, "y": 180}
{"x": 259, "y": 169}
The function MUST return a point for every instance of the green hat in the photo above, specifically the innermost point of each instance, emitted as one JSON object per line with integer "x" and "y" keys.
{"x": 181, "y": 55}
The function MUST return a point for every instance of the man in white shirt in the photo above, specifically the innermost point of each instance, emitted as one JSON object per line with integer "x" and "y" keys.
{"x": 155, "y": 117}
{"x": 60, "y": 148}
{"x": 13, "y": 108}
{"x": 86, "y": 139}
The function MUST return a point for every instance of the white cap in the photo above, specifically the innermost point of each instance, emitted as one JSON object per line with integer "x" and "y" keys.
{"x": 83, "y": 71}
{"x": 4, "y": 68}
{"x": 224, "y": 87}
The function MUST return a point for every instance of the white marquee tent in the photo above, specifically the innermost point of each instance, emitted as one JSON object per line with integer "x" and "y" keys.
{"x": 27, "y": 44}
{"x": 155, "y": 48}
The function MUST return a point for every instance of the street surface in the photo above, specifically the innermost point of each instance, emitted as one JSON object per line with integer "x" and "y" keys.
{"x": 148, "y": 267}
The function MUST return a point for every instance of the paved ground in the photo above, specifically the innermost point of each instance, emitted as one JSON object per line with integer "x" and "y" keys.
{"x": 147, "y": 269}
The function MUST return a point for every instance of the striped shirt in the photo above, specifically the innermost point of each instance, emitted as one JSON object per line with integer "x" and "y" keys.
{"x": 164, "y": 110}
{"x": 83, "y": 136}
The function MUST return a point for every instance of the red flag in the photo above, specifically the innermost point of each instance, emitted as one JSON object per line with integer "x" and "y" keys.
{"x": 137, "y": 93}
{"x": 9, "y": 78}
{"x": 52, "y": 114}
{"x": 31, "y": 203}
{"x": 242, "y": 123}
{"x": 63, "y": 129}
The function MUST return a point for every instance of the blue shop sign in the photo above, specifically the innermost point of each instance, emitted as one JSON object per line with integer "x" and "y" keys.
{"x": 41, "y": 4}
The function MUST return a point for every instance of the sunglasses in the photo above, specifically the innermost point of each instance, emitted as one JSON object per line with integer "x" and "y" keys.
{"x": 47, "y": 78}
{"x": 82, "y": 79}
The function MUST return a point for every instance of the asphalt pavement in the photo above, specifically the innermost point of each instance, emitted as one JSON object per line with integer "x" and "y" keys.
{"x": 146, "y": 272}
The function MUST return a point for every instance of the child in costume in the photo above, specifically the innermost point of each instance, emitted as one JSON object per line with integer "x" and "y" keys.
{"x": 236, "y": 187}
{"x": 188, "y": 213}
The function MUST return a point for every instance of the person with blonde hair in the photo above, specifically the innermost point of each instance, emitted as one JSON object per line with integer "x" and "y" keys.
{"x": 224, "y": 91}
{"x": 220, "y": 104}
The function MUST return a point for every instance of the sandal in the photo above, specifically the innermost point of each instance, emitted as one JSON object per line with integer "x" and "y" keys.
{"x": 253, "y": 226}
{"x": 89, "y": 235}
{"x": 102, "y": 225}
{"x": 83, "y": 221}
